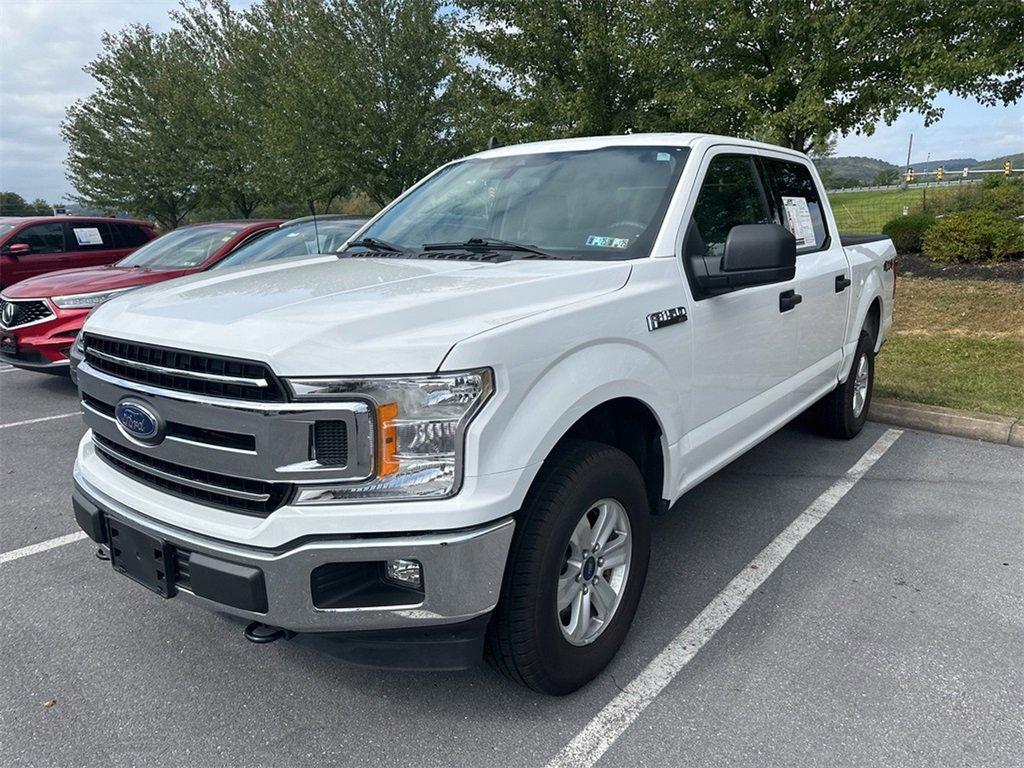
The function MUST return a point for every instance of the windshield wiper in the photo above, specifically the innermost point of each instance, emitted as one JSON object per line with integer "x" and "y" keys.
{"x": 376, "y": 244}
{"x": 489, "y": 244}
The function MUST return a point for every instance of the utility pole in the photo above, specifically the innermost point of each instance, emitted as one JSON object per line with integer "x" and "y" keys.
{"x": 906, "y": 173}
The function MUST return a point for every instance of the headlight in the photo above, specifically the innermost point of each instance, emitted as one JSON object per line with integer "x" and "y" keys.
{"x": 420, "y": 424}
{"x": 85, "y": 300}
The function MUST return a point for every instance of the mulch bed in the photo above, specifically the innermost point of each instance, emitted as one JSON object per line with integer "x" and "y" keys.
{"x": 916, "y": 265}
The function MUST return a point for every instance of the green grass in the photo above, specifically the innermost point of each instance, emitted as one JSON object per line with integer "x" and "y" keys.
{"x": 868, "y": 211}
{"x": 956, "y": 343}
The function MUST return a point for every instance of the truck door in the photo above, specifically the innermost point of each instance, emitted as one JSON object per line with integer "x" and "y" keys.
{"x": 822, "y": 271}
{"x": 744, "y": 343}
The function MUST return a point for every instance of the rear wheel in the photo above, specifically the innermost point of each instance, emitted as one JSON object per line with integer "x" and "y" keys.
{"x": 842, "y": 412}
{"x": 575, "y": 570}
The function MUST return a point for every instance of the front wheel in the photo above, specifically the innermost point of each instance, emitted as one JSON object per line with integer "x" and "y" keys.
{"x": 842, "y": 412}
{"x": 575, "y": 570}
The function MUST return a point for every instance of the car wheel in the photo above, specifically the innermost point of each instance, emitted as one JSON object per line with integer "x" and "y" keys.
{"x": 575, "y": 570}
{"x": 842, "y": 412}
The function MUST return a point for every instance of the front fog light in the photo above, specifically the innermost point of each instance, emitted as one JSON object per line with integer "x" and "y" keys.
{"x": 408, "y": 573}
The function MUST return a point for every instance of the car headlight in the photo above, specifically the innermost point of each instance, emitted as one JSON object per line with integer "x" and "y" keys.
{"x": 86, "y": 300}
{"x": 419, "y": 435}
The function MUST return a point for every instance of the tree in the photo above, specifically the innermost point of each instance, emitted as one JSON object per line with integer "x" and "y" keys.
{"x": 136, "y": 144}
{"x": 13, "y": 204}
{"x": 221, "y": 44}
{"x": 401, "y": 99}
{"x": 886, "y": 177}
{"x": 793, "y": 71}
{"x": 565, "y": 68}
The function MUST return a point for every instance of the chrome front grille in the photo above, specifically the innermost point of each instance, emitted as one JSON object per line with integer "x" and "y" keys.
{"x": 180, "y": 371}
{"x": 14, "y": 314}
{"x": 254, "y": 497}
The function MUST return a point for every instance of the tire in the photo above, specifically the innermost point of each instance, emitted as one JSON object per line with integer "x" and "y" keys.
{"x": 843, "y": 411}
{"x": 528, "y": 640}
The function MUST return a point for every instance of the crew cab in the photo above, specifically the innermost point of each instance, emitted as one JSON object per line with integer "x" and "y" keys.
{"x": 35, "y": 245}
{"x": 40, "y": 317}
{"x": 448, "y": 439}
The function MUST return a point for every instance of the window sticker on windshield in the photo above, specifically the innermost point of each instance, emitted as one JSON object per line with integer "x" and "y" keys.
{"x": 88, "y": 236}
{"x": 798, "y": 221}
{"x": 608, "y": 242}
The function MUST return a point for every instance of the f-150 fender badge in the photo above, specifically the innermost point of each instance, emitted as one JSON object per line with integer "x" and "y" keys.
{"x": 666, "y": 317}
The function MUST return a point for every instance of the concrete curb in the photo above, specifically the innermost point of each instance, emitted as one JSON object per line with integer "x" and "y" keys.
{"x": 949, "y": 421}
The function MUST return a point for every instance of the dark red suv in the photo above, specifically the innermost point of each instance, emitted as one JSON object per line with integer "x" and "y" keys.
{"x": 36, "y": 245}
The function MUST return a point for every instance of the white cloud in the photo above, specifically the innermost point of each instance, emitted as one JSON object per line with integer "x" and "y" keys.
{"x": 46, "y": 44}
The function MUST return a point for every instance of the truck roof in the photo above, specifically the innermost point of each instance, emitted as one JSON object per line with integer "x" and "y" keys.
{"x": 628, "y": 140}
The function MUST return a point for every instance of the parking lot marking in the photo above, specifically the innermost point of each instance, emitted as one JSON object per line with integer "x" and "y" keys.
{"x": 44, "y": 418}
{"x": 42, "y": 546}
{"x": 611, "y": 722}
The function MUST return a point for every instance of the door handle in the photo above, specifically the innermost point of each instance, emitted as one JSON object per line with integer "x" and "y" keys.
{"x": 842, "y": 283}
{"x": 788, "y": 300}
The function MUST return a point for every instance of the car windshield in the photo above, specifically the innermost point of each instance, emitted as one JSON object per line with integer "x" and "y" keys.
{"x": 5, "y": 228}
{"x": 181, "y": 249}
{"x": 295, "y": 240}
{"x": 595, "y": 204}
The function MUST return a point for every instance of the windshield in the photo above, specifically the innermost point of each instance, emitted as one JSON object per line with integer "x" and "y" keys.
{"x": 5, "y": 228}
{"x": 180, "y": 249}
{"x": 595, "y": 204}
{"x": 295, "y": 240}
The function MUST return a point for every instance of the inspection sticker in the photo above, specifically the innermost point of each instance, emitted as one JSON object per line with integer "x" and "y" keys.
{"x": 798, "y": 221}
{"x": 88, "y": 236}
{"x": 608, "y": 242}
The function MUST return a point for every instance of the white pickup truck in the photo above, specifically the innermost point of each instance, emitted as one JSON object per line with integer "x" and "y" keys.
{"x": 447, "y": 440}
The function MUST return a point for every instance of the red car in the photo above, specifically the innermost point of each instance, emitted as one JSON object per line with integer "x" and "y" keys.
{"x": 40, "y": 317}
{"x": 35, "y": 245}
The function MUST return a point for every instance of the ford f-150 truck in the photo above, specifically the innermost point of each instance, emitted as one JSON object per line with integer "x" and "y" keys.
{"x": 447, "y": 440}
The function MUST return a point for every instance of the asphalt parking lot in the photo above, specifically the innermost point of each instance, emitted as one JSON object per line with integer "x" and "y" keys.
{"x": 891, "y": 634}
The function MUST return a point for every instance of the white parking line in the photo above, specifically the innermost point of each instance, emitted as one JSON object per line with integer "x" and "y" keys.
{"x": 42, "y": 546}
{"x": 612, "y": 721}
{"x": 44, "y": 418}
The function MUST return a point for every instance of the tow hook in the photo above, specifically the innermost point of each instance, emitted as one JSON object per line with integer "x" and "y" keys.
{"x": 257, "y": 632}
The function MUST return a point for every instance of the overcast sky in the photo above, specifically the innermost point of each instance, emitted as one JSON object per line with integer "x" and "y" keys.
{"x": 46, "y": 43}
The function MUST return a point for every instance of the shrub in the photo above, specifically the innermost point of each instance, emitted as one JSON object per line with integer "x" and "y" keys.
{"x": 974, "y": 236}
{"x": 907, "y": 232}
{"x": 995, "y": 194}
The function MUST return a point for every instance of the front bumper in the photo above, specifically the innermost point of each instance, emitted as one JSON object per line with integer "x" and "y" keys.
{"x": 462, "y": 570}
{"x": 44, "y": 346}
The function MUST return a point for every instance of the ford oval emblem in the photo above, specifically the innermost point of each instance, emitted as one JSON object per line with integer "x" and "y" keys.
{"x": 138, "y": 422}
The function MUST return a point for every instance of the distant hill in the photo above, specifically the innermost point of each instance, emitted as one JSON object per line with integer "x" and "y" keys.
{"x": 859, "y": 169}
{"x": 1017, "y": 160}
{"x": 956, "y": 164}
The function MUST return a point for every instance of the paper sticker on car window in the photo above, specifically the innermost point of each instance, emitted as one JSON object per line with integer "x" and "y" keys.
{"x": 88, "y": 236}
{"x": 607, "y": 242}
{"x": 798, "y": 221}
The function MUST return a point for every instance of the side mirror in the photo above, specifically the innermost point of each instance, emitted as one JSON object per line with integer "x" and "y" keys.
{"x": 17, "y": 249}
{"x": 758, "y": 254}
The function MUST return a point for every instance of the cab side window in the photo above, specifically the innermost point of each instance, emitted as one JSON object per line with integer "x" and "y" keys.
{"x": 798, "y": 201}
{"x": 731, "y": 194}
{"x": 42, "y": 238}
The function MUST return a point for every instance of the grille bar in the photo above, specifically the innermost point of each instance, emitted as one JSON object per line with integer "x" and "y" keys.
{"x": 183, "y": 371}
{"x": 178, "y": 371}
{"x": 254, "y": 497}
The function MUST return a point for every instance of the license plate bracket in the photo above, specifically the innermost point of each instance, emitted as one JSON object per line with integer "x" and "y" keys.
{"x": 141, "y": 557}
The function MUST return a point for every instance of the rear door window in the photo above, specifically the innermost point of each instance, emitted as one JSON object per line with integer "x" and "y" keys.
{"x": 89, "y": 236}
{"x": 128, "y": 235}
{"x": 797, "y": 199}
{"x": 42, "y": 238}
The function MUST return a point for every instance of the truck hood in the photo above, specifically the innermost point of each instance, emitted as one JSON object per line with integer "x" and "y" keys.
{"x": 69, "y": 282}
{"x": 331, "y": 316}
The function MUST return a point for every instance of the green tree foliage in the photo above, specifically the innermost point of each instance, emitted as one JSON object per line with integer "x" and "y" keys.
{"x": 137, "y": 144}
{"x": 564, "y": 68}
{"x": 13, "y": 204}
{"x": 886, "y": 177}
